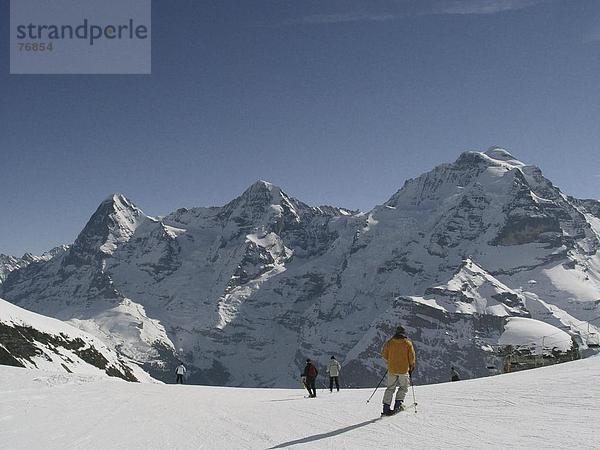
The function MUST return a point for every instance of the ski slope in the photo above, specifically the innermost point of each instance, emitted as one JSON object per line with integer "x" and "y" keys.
{"x": 552, "y": 407}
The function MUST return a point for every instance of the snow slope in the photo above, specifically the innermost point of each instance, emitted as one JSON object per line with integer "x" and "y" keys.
{"x": 551, "y": 407}
{"x": 34, "y": 341}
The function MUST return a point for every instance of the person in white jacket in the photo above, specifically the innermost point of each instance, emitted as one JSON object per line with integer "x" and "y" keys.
{"x": 333, "y": 369}
{"x": 180, "y": 371}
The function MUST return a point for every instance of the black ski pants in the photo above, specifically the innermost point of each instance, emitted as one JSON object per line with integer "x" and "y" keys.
{"x": 179, "y": 378}
{"x": 336, "y": 381}
{"x": 311, "y": 386}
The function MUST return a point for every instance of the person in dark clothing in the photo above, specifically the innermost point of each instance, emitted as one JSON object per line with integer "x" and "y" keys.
{"x": 454, "y": 375}
{"x": 309, "y": 377}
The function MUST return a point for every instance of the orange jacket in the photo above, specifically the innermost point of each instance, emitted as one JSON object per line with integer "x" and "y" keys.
{"x": 399, "y": 354}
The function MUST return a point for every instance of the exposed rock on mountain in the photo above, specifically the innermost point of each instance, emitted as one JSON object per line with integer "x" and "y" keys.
{"x": 245, "y": 292}
{"x": 10, "y": 263}
{"x": 31, "y": 340}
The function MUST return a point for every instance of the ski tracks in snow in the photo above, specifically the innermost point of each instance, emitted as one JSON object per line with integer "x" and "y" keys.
{"x": 552, "y": 407}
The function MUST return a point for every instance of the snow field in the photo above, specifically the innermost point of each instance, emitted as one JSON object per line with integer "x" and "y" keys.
{"x": 551, "y": 407}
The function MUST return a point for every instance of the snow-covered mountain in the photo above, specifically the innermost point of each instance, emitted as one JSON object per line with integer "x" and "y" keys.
{"x": 9, "y": 263}
{"x": 34, "y": 341}
{"x": 245, "y": 292}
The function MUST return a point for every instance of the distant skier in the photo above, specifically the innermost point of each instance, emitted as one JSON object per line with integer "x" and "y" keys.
{"x": 333, "y": 369}
{"x": 454, "y": 375}
{"x": 180, "y": 371}
{"x": 309, "y": 377}
{"x": 399, "y": 354}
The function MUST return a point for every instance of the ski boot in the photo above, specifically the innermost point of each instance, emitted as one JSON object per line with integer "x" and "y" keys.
{"x": 398, "y": 406}
{"x": 386, "y": 410}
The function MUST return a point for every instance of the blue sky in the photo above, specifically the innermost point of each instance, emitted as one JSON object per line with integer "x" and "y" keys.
{"x": 338, "y": 102}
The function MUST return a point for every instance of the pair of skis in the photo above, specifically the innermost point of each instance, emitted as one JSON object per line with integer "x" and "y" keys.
{"x": 404, "y": 408}
{"x": 411, "y": 385}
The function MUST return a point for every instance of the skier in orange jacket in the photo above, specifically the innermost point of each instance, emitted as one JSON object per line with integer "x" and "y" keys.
{"x": 399, "y": 354}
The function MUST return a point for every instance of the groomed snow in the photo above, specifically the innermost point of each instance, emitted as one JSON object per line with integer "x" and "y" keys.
{"x": 551, "y": 407}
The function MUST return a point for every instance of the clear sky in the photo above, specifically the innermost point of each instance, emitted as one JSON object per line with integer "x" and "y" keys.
{"x": 338, "y": 102}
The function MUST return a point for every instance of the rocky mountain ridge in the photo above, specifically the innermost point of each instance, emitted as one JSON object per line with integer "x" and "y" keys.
{"x": 34, "y": 341}
{"x": 9, "y": 263}
{"x": 245, "y": 292}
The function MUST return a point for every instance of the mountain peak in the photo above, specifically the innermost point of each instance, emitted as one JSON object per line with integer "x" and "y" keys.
{"x": 494, "y": 156}
{"x": 501, "y": 154}
{"x": 118, "y": 199}
{"x": 260, "y": 192}
{"x": 264, "y": 183}
{"x": 262, "y": 186}
{"x": 114, "y": 221}
{"x": 29, "y": 258}
{"x": 4, "y": 257}
{"x": 263, "y": 202}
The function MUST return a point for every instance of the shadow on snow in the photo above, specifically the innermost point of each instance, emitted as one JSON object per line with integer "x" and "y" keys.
{"x": 317, "y": 437}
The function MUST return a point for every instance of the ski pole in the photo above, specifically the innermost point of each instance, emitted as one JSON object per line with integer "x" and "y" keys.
{"x": 413, "y": 392}
{"x": 379, "y": 384}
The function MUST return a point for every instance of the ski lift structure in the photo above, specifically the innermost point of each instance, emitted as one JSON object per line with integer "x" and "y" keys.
{"x": 593, "y": 339}
{"x": 589, "y": 338}
{"x": 537, "y": 353}
{"x": 544, "y": 350}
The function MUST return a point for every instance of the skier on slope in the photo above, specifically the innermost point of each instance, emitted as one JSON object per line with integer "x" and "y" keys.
{"x": 180, "y": 371}
{"x": 309, "y": 377}
{"x": 399, "y": 354}
{"x": 454, "y": 376}
{"x": 333, "y": 369}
